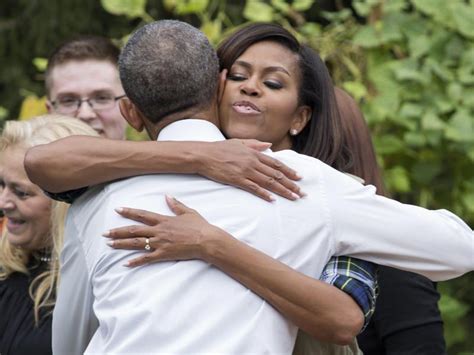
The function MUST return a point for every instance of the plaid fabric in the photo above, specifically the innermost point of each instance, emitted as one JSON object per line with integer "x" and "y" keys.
{"x": 357, "y": 278}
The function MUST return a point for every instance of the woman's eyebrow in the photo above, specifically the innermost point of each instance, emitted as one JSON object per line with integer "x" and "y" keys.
{"x": 270, "y": 69}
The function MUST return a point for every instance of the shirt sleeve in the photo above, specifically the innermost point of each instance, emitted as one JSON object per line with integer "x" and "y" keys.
{"x": 434, "y": 243}
{"x": 74, "y": 321}
{"x": 357, "y": 278}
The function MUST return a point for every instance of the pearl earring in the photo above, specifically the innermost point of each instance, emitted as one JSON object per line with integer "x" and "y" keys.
{"x": 293, "y": 132}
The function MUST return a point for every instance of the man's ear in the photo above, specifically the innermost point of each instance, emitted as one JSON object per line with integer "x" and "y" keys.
{"x": 131, "y": 114}
{"x": 301, "y": 119}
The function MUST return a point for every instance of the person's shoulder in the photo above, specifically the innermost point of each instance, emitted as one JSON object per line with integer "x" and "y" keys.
{"x": 106, "y": 190}
{"x": 316, "y": 173}
{"x": 294, "y": 159}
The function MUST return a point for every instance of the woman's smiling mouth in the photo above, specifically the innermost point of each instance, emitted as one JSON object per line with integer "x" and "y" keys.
{"x": 14, "y": 224}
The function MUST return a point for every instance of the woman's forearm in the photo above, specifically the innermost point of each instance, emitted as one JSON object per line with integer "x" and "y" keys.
{"x": 322, "y": 310}
{"x": 79, "y": 161}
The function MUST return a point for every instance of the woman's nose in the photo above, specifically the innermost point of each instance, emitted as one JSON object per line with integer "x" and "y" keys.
{"x": 6, "y": 202}
{"x": 250, "y": 88}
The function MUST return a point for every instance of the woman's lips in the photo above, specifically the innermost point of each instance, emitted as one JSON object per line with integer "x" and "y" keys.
{"x": 14, "y": 225}
{"x": 246, "y": 108}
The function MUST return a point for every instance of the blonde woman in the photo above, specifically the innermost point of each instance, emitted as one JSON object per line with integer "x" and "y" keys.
{"x": 32, "y": 237}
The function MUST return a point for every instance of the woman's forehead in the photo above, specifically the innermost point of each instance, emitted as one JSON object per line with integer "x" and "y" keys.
{"x": 269, "y": 53}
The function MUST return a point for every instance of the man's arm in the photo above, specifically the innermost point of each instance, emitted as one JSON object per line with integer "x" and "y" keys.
{"x": 79, "y": 161}
{"x": 74, "y": 322}
{"x": 436, "y": 244}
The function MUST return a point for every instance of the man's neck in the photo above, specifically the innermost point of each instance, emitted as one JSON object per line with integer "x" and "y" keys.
{"x": 209, "y": 114}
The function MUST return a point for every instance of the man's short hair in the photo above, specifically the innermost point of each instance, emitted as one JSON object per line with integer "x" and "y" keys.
{"x": 79, "y": 49}
{"x": 167, "y": 67}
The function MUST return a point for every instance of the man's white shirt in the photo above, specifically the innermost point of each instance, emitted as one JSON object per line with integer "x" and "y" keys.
{"x": 191, "y": 307}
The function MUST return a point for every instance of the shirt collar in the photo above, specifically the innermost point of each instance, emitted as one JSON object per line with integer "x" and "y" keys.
{"x": 191, "y": 130}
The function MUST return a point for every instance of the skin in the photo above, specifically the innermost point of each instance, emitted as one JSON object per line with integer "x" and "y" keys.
{"x": 260, "y": 99}
{"x": 24, "y": 204}
{"x": 189, "y": 236}
{"x": 321, "y": 310}
{"x": 84, "y": 79}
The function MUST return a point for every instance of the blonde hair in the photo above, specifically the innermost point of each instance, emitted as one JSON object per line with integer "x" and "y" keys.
{"x": 26, "y": 134}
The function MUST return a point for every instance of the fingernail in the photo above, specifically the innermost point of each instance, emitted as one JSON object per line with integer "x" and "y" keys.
{"x": 272, "y": 198}
{"x": 303, "y": 194}
{"x": 295, "y": 196}
{"x": 110, "y": 243}
{"x": 298, "y": 176}
{"x": 119, "y": 209}
{"x": 106, "y": 234}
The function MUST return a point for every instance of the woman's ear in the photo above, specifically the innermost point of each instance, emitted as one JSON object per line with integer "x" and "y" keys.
{"x": 301, "y": 119}
{"x": 131, "y": 114}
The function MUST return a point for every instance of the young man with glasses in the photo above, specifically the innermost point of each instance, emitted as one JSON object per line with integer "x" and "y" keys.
{"x": 82, "y": 80}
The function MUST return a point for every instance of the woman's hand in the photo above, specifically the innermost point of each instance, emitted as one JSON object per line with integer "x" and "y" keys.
{"x": 240, "y": 163}
{"x": 318, "y": 308}
{"x": 180, "y": 237}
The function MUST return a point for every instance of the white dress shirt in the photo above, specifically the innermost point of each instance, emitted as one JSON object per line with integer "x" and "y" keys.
{"x": 191, "y": 307}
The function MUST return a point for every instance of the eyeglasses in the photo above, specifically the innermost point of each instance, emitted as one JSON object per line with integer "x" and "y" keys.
{"x": 71, "y": 104}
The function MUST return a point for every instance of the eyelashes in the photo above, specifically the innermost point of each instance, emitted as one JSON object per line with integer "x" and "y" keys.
{"x": 271, "y": 84}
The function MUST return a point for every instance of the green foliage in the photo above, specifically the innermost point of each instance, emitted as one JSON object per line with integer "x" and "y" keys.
{"x": 409, "y": 63}
{"x": 129, "y": 8}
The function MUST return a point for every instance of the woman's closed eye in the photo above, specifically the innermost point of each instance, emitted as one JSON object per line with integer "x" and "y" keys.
{"x": 20, "y": 193}
{"x": 273, "y": 84}
{"x": 236, "y": 77}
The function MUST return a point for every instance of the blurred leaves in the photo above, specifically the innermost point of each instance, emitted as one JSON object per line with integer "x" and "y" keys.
{"x": 129, "y": 8}
{"x": 409, "y": 64}
{"x": 256, "y": 10}
{"x": 32, "y": 106}
{"x": 40, "y": 64}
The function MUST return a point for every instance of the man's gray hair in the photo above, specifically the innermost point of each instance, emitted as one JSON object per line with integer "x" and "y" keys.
{"x": 167, "y": 67}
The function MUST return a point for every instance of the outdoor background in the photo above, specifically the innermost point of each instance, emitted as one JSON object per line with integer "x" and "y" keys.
{"x": 409, "y": 64}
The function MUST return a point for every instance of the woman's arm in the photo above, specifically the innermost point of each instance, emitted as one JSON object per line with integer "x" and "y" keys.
{"x": 79, "y": 161}
{"x": 318, "y": 308}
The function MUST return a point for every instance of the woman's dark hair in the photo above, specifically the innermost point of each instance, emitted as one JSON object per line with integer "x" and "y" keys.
{"x": 322, "y": 137}
{"x": 357, "y": 137}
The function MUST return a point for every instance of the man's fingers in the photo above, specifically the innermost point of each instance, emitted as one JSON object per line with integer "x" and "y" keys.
{"x": 145, "y": 217}
{"x": 129, "y": 232}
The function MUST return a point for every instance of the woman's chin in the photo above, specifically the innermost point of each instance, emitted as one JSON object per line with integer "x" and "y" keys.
{"x": 242, "y": 132}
